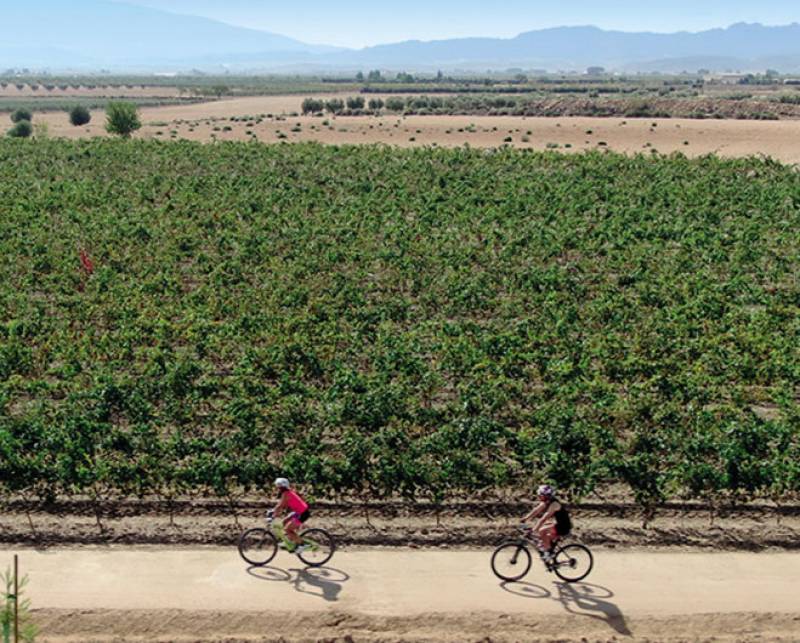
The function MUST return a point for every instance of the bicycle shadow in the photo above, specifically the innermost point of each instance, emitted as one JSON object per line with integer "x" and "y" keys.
{"x": 525, "y": 589}
{"x": 322, "y": 582}
{"x": 590, "y": 600}
{"x": 579, "y": 599}
{"x": 274, "y": 574}
{"x": 325, "y": 579}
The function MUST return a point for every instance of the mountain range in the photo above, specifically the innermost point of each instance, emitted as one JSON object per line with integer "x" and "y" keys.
{"x": 99, "y": 33}
{"x": 95, "y": 34}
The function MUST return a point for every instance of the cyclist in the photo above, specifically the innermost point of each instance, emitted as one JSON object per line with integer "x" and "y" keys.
{"x": 298, "y": 512}
{"x": 554, "y": 521}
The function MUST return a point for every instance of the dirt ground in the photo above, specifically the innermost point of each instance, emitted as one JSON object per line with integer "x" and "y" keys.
{"x": 163, "y": 626}
{"x": 208, "y": 522}
{"x": 179, "y": 594}
{"x": 166, "y": 626}
{"x": 212, "y": 121}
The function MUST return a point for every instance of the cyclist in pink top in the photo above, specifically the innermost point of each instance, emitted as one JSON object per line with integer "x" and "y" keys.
{"x": 297, "y": 508}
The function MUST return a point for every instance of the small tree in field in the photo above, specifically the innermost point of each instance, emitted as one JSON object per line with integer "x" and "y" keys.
{"x": 334, "y": 106}
{"x": 27, "y": 629}
{"x": 376, "y": 104}
{"x": 41, "y": 130}
{"x": 395, "y": 104}
{"x": 355, "y": 102}
{"x": 23, "y": 129}
{"x": 79, "y": 115}
{"x": 312, "y": 106}
{"x": 122, "y": 119}
{"x": 21, "y": 114}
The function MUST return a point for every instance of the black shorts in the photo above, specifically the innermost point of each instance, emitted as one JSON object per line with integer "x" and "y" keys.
{"x": 303, "y": 517}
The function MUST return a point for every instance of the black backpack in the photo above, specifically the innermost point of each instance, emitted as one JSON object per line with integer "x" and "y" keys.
{"x": 563, "y": 521}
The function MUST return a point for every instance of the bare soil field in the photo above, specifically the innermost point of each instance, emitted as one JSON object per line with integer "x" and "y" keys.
{"x": 208, "y": 522}
{"x": 212, "y": 121}
{"x": 135, "y": 594}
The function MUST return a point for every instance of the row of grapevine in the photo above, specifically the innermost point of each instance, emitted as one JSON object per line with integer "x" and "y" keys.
{"x": 188, "y": 319}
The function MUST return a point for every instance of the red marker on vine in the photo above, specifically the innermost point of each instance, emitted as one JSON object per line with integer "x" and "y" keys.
{"x": 86, "y": 262}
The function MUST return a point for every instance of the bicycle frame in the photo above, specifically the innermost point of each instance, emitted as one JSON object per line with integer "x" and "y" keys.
{"x": 277, "y": 528}
{"x": 529, "y": 538}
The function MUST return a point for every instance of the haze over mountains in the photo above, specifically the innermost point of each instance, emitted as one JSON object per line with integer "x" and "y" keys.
{"x": 97, "y": 34}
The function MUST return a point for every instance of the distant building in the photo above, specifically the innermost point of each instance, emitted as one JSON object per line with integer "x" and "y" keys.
{"x": 725, "y": 79}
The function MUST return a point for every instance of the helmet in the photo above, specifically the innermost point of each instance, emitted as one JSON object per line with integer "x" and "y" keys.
{"x": 283, "y": 483}
{"x": 545, "y": 490}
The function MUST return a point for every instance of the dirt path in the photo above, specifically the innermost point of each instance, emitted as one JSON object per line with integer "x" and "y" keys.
{"x": 370, "y": 594}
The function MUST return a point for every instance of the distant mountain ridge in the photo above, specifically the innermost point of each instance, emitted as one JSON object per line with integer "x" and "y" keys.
{"x": 111, "y": 34}
{"x": 101, "y": 34}
{"x": 579, "y": 47}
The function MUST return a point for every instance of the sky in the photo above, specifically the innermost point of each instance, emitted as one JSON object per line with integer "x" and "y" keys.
{"x": 359, "y": 23}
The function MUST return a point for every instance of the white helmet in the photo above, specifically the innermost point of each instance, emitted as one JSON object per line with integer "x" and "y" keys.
{"x": 283, "y": 483}
{"x": 546, "y": 491}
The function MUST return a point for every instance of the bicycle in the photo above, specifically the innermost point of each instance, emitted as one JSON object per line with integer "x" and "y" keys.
{"x": 259, "y": 546}
{"x": 512, "y": 559}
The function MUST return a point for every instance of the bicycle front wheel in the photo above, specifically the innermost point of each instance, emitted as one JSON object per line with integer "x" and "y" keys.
{"x": 511, "y": 561}
{"x": 258, "y": 546}
{"x": 319, "y": 547}
{"x": 572, "y": 563}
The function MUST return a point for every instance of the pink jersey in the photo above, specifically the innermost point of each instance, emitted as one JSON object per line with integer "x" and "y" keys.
{"x": 295, "y": 502}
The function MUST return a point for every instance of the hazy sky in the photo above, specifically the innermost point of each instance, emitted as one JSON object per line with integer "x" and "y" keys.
{"x": 358, "y": 23}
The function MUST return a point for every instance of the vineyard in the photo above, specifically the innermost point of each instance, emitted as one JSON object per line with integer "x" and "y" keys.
{"x": 59, "y": 104}
{"x": 179, "y": 319}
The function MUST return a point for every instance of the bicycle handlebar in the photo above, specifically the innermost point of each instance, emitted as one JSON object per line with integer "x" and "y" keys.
{"x": 528, "y": 532}
{"x": 271, "y": 516}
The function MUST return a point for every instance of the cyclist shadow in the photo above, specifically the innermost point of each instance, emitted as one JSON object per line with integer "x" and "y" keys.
{"x": 323, "y": 582}
{"x": 588, "y": 599}
{"x": 580, "y": 599}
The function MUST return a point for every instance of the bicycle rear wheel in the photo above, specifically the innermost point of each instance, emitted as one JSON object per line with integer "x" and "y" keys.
{"x": 258, "y": 546}
{"x": 511, "y": 561}
{"x": 572, "y": 563}
{"x": 319, "y": 547}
